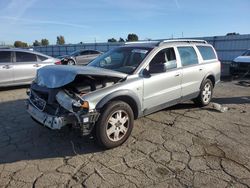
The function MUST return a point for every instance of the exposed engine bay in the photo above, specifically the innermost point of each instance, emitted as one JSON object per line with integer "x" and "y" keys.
{"x": 56, "y": 107}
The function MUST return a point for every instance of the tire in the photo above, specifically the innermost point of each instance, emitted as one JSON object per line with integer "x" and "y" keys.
{"x": 111, "y": 131}
{"x": 71, "y": 62}
{"x": 206, "y": 93}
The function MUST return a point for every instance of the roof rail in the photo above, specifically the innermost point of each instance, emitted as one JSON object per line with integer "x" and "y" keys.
{"x": 142, "y": 42}
{"x": 182, "y": 40}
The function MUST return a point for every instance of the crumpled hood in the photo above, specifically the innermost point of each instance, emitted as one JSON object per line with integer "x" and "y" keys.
{"x": 55, "y": 76}
{"x": 243, "y": 59}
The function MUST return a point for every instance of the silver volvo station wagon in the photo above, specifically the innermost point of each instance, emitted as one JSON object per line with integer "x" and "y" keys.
{"x": 106, "y": 96}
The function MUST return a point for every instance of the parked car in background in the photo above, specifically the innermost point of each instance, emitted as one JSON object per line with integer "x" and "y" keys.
{"x": 19, "y": 66}
{"x": 124, "y": 84}
{"x": 241, "y": 64}
{"x": 80, "y": 57}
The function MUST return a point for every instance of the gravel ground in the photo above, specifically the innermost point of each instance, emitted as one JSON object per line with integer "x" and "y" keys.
{"x": 182, "y": 146}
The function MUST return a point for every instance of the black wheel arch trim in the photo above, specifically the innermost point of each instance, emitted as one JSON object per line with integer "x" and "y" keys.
{"x": 72, "y": 58}
{"x": 206, "y": 76}
{"x": 122, "y": 95}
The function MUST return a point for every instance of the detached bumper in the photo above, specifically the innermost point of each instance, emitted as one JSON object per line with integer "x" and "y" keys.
{"x": 85, "y": 121}
{"x": 52, "y": 122}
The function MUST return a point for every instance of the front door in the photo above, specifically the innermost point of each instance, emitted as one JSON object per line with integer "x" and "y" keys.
{"x": 6, "y": 68}
{"x": 164, "y": 88}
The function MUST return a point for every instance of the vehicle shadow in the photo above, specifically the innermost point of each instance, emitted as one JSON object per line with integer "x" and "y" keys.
{"x": 222, "y": 101}
{"x": 21, "y": 138}
{"x": 232, "y": 100}
{"x": 14, "y": 87}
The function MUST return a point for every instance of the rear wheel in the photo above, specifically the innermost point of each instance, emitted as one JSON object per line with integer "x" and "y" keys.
{"x": 206, "y": 93}
{"x": 115, "y": 124}
{"x": 71, "y": 62}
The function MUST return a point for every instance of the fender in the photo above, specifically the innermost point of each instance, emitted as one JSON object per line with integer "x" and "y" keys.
{"x": 120, "y": 94}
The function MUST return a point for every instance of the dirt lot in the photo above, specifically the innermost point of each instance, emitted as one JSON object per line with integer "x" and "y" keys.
{"x": 182, "y": 146}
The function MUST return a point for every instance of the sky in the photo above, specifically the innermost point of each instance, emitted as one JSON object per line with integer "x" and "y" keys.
{"x": 98, "y": 20}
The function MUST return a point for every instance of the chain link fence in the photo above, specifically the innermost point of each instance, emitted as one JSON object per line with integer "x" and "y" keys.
{"x": 227, "y": 47}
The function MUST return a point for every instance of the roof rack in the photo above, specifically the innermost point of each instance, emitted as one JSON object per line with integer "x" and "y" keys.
{"x": 142, "y": 42}
{"x": 182, "y": 40}
{"x": 160, "y": 42}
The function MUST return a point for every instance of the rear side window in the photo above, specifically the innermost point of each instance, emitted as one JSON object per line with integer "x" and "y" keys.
{"x": 84, "y": 52}
{"x": 93, "y": 52}
{"x": 188, "y": 56}
{"x": 25, "y": 57}
{"x": 207, "y": 52}
{"x": 41, "y": 58}
{"x": 5, "y": 57}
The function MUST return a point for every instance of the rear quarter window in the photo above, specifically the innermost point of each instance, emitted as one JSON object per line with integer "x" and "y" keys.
{"x": 41, "y": 58}
{"x": 206, "y": 52}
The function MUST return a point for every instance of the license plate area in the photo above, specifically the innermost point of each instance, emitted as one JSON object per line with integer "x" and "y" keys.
{"x": 38, "y": 102}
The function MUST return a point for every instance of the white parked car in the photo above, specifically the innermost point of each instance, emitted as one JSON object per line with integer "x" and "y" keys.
{"x": 241, "y": 64}
{"x": 19, "y": 66}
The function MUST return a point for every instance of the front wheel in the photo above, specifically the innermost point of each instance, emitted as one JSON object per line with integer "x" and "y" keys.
{"x": 115, "y": 124}
{"x": 206, "y": 93}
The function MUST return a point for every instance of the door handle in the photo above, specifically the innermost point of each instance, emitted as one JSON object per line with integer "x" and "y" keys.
{"x": 36, "y": 65}
{"x": 6, "y": 67}
{"x": 178, "y": 74}
{"x": 200, "y": 69}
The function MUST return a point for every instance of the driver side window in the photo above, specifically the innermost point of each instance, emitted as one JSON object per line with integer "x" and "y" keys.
{"x": 165, "y": 57}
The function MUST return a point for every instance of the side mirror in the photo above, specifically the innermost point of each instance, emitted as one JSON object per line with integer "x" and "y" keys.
{"x": 157, "y": 68}
{"x": 146, "y": 73}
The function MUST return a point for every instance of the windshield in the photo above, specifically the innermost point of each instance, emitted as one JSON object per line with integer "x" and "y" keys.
{"x": 246, "y": 53}
{"x": 123, "y": 59}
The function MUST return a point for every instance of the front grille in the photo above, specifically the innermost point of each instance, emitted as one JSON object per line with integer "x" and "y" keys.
{"x": 244, "y": 65}
{"x": 38, "y": 102}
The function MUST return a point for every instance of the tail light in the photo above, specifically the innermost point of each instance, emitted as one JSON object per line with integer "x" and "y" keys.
{"x": 58, "y": 63}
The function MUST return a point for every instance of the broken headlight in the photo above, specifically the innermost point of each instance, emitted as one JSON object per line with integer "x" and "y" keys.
{"x": 77, "y": 106}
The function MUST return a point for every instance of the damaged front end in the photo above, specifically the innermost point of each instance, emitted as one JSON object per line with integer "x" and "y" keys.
{"x": 56, "y": 96}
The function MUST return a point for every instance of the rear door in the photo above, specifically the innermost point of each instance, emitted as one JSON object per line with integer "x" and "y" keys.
{"x": 92, "y": 55}
{"x": 25, "y": 67}
{"x": 83, "y": 57}
{"x": 192, "y": 71}
{"x": 6, "y": 68}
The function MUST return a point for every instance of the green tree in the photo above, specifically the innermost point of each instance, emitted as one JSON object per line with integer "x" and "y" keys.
{"x": 234, "y": 33}
{"x": 121, "y": 40}
{"x": 44, "y": 42}
{"x": 20, "y": 44}
{"x": 132, "y": 37}
{"x": 36, "y": 43}
{"x": 112, "y": 40}
{"x": 60, "y": 40}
